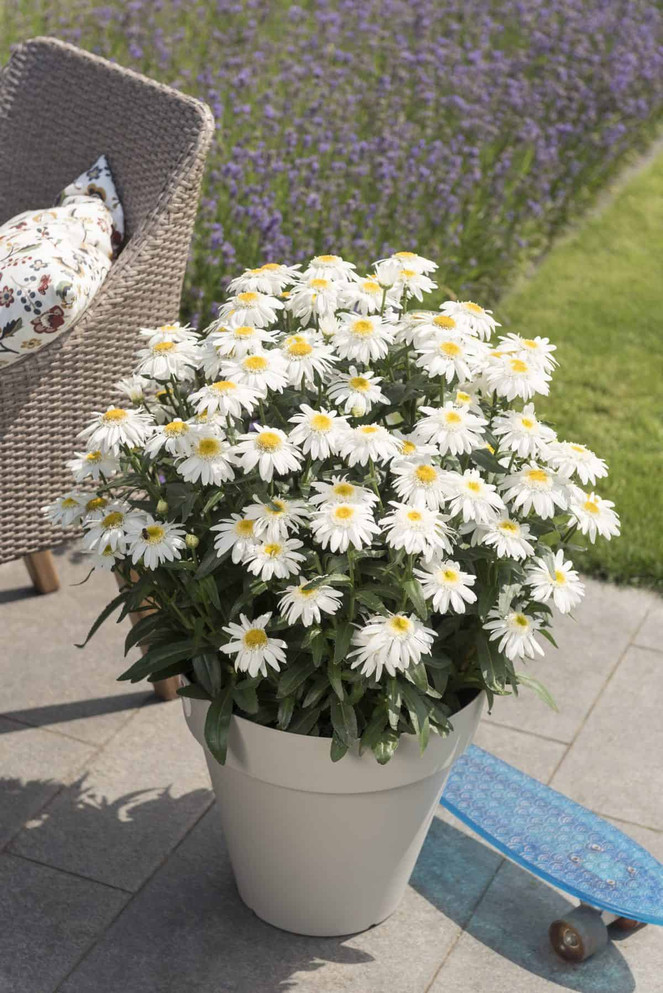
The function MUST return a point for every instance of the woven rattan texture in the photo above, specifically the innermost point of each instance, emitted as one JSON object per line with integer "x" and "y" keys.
{"x": 60, "y": 108}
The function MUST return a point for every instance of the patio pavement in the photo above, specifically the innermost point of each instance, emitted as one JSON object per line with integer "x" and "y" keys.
{"x": 113, "y": 872}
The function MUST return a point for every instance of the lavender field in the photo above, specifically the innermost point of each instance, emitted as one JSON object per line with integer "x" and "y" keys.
{"x": 470, "y": 130}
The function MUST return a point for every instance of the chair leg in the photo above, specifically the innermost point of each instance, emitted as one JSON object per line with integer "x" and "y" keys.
{"x": 165, "y": 689}
{"x": 42, "y": 571}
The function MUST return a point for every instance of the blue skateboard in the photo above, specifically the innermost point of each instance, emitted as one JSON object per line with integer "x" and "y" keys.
{"x": 619, "y": 884}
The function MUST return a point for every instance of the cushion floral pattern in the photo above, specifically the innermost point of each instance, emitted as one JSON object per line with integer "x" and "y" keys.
{"x": 53, "y": 261}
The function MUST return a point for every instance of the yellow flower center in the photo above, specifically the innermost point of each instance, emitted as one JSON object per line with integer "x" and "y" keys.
{"x": 278, "y": 504}
{"x": 319, "y": 284}
{"x": 560, "y": 577}
{"x": 320, "y": 422}
{"x": 305, "y": 593}
{"x": 175, "y": 428}
{"x": 69, "y": 502}
{"x": 208, "y": 447}
{"x": 414, "y": 515}
{"x": 527, "y": 423}
{"x": 517, "y": 365}
{"x": 444, "y": 321}
{"x": 166, "y": 328}
{"x": 509, "y": 526}
{"x": 113, "y": 520}
{"x": 405, "y": 255}
{"x": 473, "y": 307}
{"x": 114, "y": 415}
{"x": 408, "y": 273}
{"x": 344, "y": 513}
{"x": 255, "y": 638}
{"x": 299, "y": 349}
{"x": 370, "y": 286}
{"x": 400, "y": 624}
{"x": 245, "y": 331}
{"x": 244, "y": 528}
{"x": 473, "y": 485}
{"x": 359, "y": 383}
{"x": 530, "y": 343}
{"x": 579, "y": 448}
{"x": 269, "y": 267}
{"x": 93, "y": 456}
{"x": 450, "y": 348}
{"x": 248, "y": 297}
{"x": 362, "y": 327}
{"x": 449, "y": 575}
{"x": 273, "y": 549}
{"x": 163, "y": 346}
{"x": 464, "y": 398}
{"x": 452, "y": 417}
{"x": 96, "y": 503}
{"x": 268, "y": 441}
{"x": 521, "y": 621}
{"x": 369, "y": 429}
{"x": 591, "y": 506}
{"x": 408, "y": 447}
{"x": 328, "y": 258}
{"x": 224, "y": 386}
{"x": 155, "y": 533}
{"x": 537, "y": 476}
{"x": 256, "y": 363}
{"x": 425, "y": 473}
{"x": 343, "y": 489}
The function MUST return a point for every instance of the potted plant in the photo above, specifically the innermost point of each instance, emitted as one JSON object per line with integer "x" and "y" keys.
{"x": 343, "y": 525}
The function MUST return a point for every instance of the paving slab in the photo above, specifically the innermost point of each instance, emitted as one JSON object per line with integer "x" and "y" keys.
{"x": 589, "y": 649}
{"x": 139, "y": 797}
{"x": 48, "y": 919}
{"x": 33, "y": 766}
{"x": 46, "y": 681}
{"x": 188, "y": 929}
{"x": 614, "y": 765}
{"x": 650, "y": 634}
{"x": 538, "y": 757}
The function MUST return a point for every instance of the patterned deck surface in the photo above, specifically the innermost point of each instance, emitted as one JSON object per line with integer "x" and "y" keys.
{"x": 555, "y": 837}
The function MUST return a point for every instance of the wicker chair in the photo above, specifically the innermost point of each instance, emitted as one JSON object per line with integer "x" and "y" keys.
{"x": 60, "y": 108}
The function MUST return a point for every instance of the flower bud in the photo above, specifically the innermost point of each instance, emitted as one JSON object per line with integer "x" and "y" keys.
{"x": 191, "y": 541}
{"x": 162, "y": 507}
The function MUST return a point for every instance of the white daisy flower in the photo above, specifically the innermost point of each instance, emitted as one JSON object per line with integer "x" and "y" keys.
{"x": 168, "y": 357}
{"x": 392, "y": 643}
{"x": 275, "y": 518}
{"x": 410, "y": 448}
{"x": 109, "y": 526}
{"x": 363, "y": 338}
{"x": 364, "y": 296}
{"x": 308, "y": 605}
{"x": 154, "y": 541}
{"x": 417, "y": 529}
{"x": 133, "y": 387}
{"x": 420, "y": 482}
{"x": 262, "y": 371}
{"x": 318, "y": 432}
{"x": 554, "y": 577}
{"x": 115, "y": 427}
{"x": 508, "y": 537}
{"x": 538, "y": 350}
{"x": 341, "y": 490}
{"x": 338, "y": 525}
{"x": 252, "y": 647}
{"x": 467, "y": 396}
{"x": 471, "y": 316}
{"x": 367, "y": 442}
{"x": 234, "y": 532}
{"x": 447, "y": 586}
{"x": 568, "y": 457}
{"x": 225, "y": 397}
{"x": 275, "y": 558}
{"x": 521, "y": 432}
{"x": 93, "y": 465}
{"x": 449, "y": 354}
{"x": 171, "y": 436}
{"x": 472, "y": 497}
{"x": 270, "y": 450}
{"x": 208, "y": 457}
{"x": 410, "y": 260}
{"x": 515, "y": 634}
{"x": 234, "y": 340}
{"x": 453, "y": 429}
{"x": 169, "y": 332}
{"x": 313, "y": 296}
{"x": 512, "y": 377}
{"x": 306, "y": 356}
{"x": 414, "y": 283}
{"x": 66, "y": 510}
{"x": 250, "y": 307}
{"x": 271, "y": 278}
{"x": 417, "y": 327}
{"x": 330, "y": 267}
{"x": 538, "y": 488}
{"x": 595, "y": 516}
{"x": 357, "y": 392}
{"x": 103, "y": 558}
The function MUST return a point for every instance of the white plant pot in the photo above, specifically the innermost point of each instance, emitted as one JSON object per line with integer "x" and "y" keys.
{"x": 318, "y": 847}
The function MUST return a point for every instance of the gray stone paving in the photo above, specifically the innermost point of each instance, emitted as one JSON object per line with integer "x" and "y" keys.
{"x": 113, "y": 871}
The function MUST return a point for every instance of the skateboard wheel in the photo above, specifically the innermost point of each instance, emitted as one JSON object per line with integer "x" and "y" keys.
{"x": 579, "y": 934}
{"x": 624, "y": 925}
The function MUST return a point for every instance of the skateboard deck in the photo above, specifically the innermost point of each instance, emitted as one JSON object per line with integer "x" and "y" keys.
{"x": 555, "y": 838}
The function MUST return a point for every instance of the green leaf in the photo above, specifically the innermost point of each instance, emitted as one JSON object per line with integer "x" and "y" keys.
{"x": 217, "y": 724}
{"x": 334, "y": 676}
{"x": 317, "y": 690}
{"x": 419, "y": 676}
{"x": 525, "y": 680}
{"x": 482, "y": 457}
{"x": 207, "y": 670}
{"x": 293, "y": 677}
{"x": 318, "y": 645}
{"x": 338, "y": 748}
{"x": 374, "y": 728}
{"x": 548, "y": 636}
{"x": 104, "y": 615}
{"x": 385, "y": 746}
{"x": 344, "y": 720}
{"x": 158, "y": 658}
{"x": 142, "y": 628}
{"x": 306, "y": 721}
{"x": 343, "y": 639}
{"x": 193, "y": 691}
{"x": 393, "y": 702}
{"x": 212, "y": 502}
{"x": 416, "y": 597}
{"x": 417, "y": 706}
{"x": 246, "y": 697}
{"x": 210, "y": 561}
{"x": 370, "y": 600}
{"x": 285, "y": 712}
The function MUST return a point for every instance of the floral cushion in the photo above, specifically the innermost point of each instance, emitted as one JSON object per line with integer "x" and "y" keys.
{"x": 53, "y": 261}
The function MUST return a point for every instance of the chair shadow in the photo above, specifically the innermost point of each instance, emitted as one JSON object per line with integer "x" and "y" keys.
{"x": 512, "y": 910}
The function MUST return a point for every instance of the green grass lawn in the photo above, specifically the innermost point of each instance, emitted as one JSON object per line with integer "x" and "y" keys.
{"x": 599, "y": 296}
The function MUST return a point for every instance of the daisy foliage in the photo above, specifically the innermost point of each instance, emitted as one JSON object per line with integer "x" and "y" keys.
{"x": 335, "y": 512}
